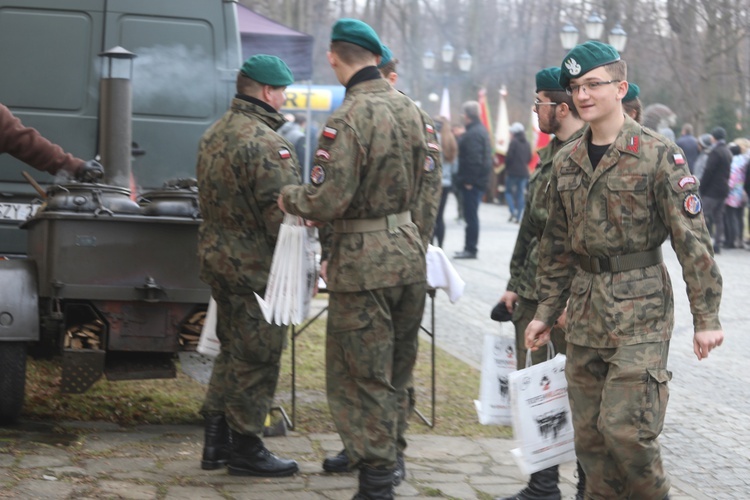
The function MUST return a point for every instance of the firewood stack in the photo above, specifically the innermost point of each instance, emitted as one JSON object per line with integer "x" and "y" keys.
{"x": 191, "y": 331}
{"x": 85, "y": 336}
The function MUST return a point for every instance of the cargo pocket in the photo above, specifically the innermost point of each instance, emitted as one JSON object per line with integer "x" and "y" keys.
{"x": 628, "y": 203}
{"x": 566, "y": 186}
{"x": 654, "y": 404}
{"x": 639, "y": 308}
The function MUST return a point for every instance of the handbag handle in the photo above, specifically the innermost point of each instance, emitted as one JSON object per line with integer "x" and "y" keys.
{"x": 550, "y": 354}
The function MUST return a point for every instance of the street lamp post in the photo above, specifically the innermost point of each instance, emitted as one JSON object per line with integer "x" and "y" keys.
{"x": 594, "y": 27}
{"x": 447, "y": 54}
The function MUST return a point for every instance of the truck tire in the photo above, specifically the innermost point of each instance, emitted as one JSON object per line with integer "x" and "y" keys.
{"x": 12, "y": 380}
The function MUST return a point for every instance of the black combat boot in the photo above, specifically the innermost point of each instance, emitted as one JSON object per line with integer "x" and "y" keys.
{"x": 581, "y": 488}
{"x": 399, "y": 473}
{"x": 339, "y": 463}
{"x": 542, "y": 486}
{"x": 375, "y": 484}
{"x": 216, "y": 447}
{"x": 250, "y": 458}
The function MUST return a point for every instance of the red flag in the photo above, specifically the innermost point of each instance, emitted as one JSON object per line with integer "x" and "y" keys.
{"x": 484, "y": 114}
{"x": 540, "y": 139}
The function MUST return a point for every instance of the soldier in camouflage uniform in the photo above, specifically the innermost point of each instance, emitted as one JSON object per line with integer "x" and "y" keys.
{"x": 615, "y": 195}
{"x": 242, "y": 166}
{"x": 558, "y": 116}
{"x": 368, "y": 170}
{"x": 423, "y": 213}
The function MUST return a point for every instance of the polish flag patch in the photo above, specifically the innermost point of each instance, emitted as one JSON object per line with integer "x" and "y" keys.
{"x": 330, "y": 133}
{"x": 284, "y": 154}
{"x": 430, "y": 128}
{"x": 678, "y": 159}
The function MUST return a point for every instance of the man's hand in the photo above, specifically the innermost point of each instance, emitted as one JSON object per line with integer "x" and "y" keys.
{"x": 91, "y": 171}
{"x": 704, "y": 341}
{"x": 537, "y": 335}
{"x": 324, "y": 270}
{"x": 562, "y": 321}
{"x": 510, "y": 299}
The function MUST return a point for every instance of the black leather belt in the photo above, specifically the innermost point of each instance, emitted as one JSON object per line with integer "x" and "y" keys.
{"x": 620, "y": 263}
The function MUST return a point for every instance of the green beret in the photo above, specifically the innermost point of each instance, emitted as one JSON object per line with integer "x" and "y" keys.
{"x": 633, "y": 92}
{"x": 585, "y": 57}
{"x": 548, "y": 79}
{"x": 386, "y": 57}
{"x": 357, "y": 32}
{"x": 268, "y": 70}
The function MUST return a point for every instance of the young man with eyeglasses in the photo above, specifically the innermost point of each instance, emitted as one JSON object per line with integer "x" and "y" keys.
{"x": 615, "y": 195}
{"x": 557, "y": 115}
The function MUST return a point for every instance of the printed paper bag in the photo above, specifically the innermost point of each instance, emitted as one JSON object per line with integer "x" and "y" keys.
{"x": 542, "y": 422}
{"x": 498, "y": 361}
{"x": 292, "y": 277}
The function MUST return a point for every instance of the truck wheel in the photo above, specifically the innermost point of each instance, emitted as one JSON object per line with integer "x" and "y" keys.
{"x": 12, "y": 380}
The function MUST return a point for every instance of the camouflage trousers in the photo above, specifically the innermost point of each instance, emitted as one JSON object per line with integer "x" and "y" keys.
{"x": 522, "y": 316}
{"x": 371, "y": 348}
{"x": 246, "y": 371}
{"x": 618, "y": 397}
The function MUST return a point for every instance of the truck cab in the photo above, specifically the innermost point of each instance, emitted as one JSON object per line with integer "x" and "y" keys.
{"x": 188, "y": 53}
{"x": 130, "y": 274}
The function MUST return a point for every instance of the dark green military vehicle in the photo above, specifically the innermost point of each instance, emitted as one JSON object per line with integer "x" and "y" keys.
{"x": 105, "y": 273}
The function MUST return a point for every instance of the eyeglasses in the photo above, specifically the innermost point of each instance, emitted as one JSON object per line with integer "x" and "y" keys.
{"x": 586, "y": 87}
{"x": 538, "y": 103}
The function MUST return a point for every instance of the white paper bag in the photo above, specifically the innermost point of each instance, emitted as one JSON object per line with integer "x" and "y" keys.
{"x": 498, "y": 361}
{"x": 542, "y": 421}
{"x": 208, "y": 344}
{"x": 293, "y": 274}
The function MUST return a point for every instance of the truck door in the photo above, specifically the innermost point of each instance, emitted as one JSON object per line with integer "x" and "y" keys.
{"x": 183, "y": 77}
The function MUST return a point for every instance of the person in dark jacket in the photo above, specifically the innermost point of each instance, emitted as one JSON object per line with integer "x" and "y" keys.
{"x": 714, "y": 186}
{"x": 517, "y": 171}
{"x": 689, "y": 145}
{"x": 474, "y": 165}
{"x": 29, "y": 146}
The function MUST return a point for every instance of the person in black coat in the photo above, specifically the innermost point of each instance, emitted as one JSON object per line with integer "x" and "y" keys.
{"x": 517, "y": 171}
{"x": 714, "y": 186}
{"x": 474, "y": 166}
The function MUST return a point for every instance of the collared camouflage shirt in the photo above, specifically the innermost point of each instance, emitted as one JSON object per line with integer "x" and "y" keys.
{"x": 242, "y": 166}
{"x": 525, "y": 258}
{"x": 640, "y": 193}
{"x": 370, "y": 161}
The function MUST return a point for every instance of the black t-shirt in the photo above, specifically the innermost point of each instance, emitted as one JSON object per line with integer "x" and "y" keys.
{"x": 596, "y": 153}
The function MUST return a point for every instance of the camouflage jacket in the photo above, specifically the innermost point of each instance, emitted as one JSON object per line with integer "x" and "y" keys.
{"x": 370, "y": 158}
{"x": 424, "y": 211}
{"x": 242, "y": 165}
{"x": 526, "y": 252}
{"x": 640, "y": 193}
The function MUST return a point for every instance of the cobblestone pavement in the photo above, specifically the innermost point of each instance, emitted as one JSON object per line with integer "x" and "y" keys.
{"x": 706, "y": 438}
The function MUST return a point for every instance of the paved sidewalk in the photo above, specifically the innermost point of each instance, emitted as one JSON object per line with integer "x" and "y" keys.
{"x": 705, "y": 440}
{"x": 100, "y": 461}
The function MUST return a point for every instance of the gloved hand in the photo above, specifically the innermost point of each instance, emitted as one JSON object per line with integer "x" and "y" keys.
{"x": 91, "y": 171}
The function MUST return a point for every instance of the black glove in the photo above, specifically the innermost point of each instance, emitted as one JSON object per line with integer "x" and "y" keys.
{"x": 501, "y": 313}
{"x": 91, "y": 171}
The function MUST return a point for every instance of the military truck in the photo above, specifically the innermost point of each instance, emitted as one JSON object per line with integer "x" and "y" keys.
{"x": 105, "y": 274}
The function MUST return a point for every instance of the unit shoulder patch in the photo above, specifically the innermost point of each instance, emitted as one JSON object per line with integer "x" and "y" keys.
{"x": 317, "y": 175}
{"x": 692, "y": 205}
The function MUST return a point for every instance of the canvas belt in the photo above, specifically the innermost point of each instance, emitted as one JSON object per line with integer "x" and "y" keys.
{"x": 388, "y": 222}
{"x": 620, "y": 263}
